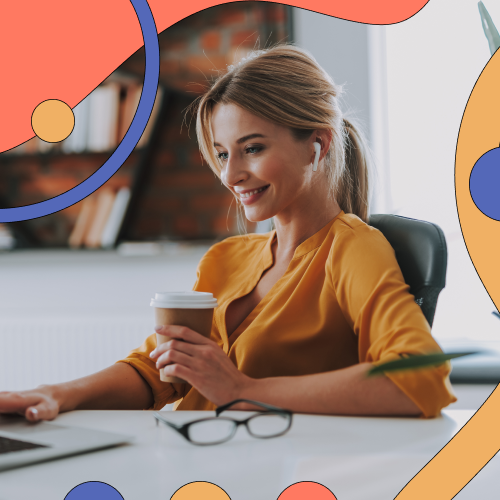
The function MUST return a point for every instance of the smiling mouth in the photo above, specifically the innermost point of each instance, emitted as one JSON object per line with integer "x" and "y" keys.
{"x": 251, "y": 193}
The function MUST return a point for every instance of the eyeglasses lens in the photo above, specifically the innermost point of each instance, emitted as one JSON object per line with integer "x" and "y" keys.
{"x": 211, "y": 431}
{"x": 268, "y": 424}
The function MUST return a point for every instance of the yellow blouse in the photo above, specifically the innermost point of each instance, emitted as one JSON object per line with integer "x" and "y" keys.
{"x": 342, "y": 300}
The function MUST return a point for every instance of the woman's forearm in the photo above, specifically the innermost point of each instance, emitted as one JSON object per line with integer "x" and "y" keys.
{"x": 119, "y": 387}
{"x": 342, "y": 392}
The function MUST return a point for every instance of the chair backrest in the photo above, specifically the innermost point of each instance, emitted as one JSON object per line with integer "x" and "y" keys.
{"x": 421, "y": 253}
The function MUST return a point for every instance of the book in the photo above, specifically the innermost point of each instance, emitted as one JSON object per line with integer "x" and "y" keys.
{"x": 103, "y": 117}
{"x": 104, "y": 204}
{"x": 43, "y": 146}
{"x": 131, "y": 101}
{"x": 7, "y": 241}
{"x": 18, "y": 150}
{"x": 31, "y": 146}
{"x": 83, "y": 222}
{"x": 115, "y": 219}
{"x": 76, "y": 142}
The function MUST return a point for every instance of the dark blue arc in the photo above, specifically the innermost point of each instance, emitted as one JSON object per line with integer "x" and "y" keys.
{"x": 484, "y": 184}
{"x": 126, "y": 146}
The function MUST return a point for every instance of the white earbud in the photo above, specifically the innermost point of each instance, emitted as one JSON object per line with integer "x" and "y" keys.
{"x": 317, "y": 147}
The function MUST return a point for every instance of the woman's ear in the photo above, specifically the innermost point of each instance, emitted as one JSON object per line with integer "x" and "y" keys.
{"x": 324, "y": 138}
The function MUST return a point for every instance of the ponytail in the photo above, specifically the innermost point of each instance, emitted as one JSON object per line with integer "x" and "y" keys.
{"x": 352, "y": 190}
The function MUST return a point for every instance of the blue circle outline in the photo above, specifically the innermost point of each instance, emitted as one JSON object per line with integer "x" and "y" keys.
{"x": 126, "y": 146}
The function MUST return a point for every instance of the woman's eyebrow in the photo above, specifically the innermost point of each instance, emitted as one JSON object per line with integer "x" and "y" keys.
{"x": 243, "y": 139}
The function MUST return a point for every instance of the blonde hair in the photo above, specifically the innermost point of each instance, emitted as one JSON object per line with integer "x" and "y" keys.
{"x": 286, "y": 85}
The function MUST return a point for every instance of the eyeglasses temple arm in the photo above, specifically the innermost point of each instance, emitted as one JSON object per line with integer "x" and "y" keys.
{"x": 159, "y": 417}
{"x": 222, "y": 408}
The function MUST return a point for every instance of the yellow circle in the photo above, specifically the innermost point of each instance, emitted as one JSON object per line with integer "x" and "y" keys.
{"x": 52, "y": 120}
{"x": 200, "y": 489}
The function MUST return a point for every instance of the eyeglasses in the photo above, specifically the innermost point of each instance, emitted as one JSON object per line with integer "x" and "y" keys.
{"x": 267, "y": 423}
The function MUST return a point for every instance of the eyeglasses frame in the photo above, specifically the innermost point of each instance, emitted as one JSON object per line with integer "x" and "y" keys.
{"x": 270, "y": 410}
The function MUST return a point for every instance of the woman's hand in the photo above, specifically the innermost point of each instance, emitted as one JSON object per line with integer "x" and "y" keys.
{"x": 201, "y": 363}
{"x": 36, "y": 404}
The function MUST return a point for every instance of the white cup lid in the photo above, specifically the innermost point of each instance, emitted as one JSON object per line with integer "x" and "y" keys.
{"x": 184, "y": 300}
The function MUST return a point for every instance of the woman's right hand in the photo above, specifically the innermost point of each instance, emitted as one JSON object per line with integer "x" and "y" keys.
{"x": 36, "y": 404}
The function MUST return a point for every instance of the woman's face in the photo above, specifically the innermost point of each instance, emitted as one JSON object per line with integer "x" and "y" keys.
{"x": 256, "y": 154}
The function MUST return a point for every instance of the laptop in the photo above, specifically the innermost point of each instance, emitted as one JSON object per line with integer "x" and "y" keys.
{"x": 22, "y": 442}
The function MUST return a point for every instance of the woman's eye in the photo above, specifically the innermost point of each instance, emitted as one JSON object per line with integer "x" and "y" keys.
{"x": 250, "y": 150}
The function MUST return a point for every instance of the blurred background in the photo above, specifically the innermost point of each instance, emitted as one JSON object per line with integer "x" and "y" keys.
{"x": 77, "y": 284}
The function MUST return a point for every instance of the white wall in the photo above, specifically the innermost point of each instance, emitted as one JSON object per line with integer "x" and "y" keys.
{"x": 341, "y": 47}
{"x": 64, "y": 315}
{"x": 434, "y": 60}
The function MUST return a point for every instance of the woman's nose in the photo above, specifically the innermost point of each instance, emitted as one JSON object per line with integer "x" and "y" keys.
{"x": 233, "y": 171}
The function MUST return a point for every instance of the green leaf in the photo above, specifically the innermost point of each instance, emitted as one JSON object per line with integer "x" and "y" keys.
{"x": 489, "y": 28}
{"x": 416, "y": 361}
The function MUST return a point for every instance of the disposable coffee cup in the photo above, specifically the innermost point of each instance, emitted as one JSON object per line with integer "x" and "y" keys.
{"x": 194, "y": 310}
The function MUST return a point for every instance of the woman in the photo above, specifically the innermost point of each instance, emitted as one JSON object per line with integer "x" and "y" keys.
{"x": 305, "y": 310}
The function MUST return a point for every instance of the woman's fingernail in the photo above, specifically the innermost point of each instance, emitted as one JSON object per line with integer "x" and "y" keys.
{"x": 158, "y": 328}
{"x": 152, "y": 353}
{"x": 34, "y": 413}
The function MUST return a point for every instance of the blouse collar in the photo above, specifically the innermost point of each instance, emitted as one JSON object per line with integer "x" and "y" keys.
{"x": 308, "y": 245}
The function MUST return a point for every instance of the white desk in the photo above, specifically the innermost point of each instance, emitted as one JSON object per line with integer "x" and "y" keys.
{"x": 357, "y": 458}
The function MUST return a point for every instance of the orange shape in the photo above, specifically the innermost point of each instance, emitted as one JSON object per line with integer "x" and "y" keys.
{"x": 52, "y": 120}
{"x": 200, "y": 490}
{"x": 479, "y": 133}
{"x": 478, "y": 441}
{"x": 461, "y": 459}
{"x": 307, "y": 489}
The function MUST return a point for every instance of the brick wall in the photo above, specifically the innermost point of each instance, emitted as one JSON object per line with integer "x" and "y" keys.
{"x": 181, "y": 198}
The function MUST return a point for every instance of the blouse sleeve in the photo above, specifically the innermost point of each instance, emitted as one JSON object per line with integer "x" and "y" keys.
{"x": 383, "y": 314}
{"x": 163, "y": 392}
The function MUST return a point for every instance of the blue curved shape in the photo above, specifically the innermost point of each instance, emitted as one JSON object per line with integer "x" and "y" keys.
{"x": 122, "y": 152}
{"x": 484, "y": 184}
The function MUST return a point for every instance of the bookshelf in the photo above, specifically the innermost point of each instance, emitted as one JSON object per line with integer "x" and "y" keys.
{"x": 102, "y": 119}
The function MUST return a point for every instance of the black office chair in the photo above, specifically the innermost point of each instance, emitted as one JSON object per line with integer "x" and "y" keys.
{"x": 421, "y": 254}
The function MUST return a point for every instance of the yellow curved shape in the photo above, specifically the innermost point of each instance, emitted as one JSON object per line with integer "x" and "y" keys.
{"x": 200, "y": 490}
{"x": 462, "y": 458}
{"x": 479, "y": 440}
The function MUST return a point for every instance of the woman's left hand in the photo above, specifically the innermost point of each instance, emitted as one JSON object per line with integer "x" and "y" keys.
{"x": 201, "y": 363}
